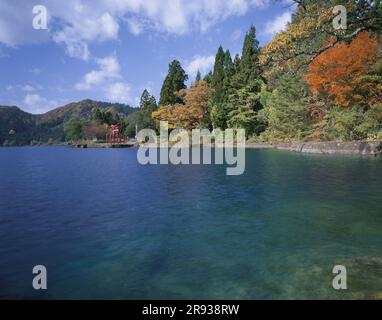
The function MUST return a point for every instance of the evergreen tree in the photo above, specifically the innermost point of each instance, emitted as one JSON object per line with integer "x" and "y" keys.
{"x": 229, "y": 71}
{"x": 174, "y": 82}
{"x": 208, "y": 78}
{"x": 143, "y": 117}
{"x": 220, "y": 83}
{"x": 145, "y": 98}
{"x": 218, "y": 78}
{"x": 244, "y": 111}
{"x": 245, "y": 86}
{"x": 198, "y": 76}
{"x": 148, "y": 102}
{"x": 247, "y": 68}
{"x": 285, "y": 109}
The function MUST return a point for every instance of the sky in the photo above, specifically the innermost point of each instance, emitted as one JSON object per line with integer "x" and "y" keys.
{"x": 111, "y": 50}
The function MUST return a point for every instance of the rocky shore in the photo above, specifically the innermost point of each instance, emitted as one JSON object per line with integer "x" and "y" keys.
{"x": 344, "y": 148}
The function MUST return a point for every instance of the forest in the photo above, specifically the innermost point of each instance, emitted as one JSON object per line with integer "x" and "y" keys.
{"x": 311, "y": 82}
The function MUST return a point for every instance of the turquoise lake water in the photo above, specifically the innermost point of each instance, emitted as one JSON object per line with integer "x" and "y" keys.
{"x": 106, "y": 227}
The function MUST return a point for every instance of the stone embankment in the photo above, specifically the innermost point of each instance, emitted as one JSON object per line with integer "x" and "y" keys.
{"x": 350, "y": 148}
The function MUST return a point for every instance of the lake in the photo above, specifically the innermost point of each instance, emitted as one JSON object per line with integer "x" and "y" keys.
{"x": 107, "y": 227}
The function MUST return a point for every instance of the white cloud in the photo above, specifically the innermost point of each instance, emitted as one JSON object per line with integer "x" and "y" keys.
{"x": 118, "y": 92}
{"x": 79, "y": 23}
{"x": 278, "y": 24}
{"x": 203, "y": 64}
{"x": 109, "y": 69}
{"x": 84, "y": 28}
{"x": 36, "y": 104}
{"x": 135, "y": 26}
{"x": 107, "y": 79}
{"x": 75, "y": 46}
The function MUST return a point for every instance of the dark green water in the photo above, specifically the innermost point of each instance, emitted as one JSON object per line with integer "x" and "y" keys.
{"x": 107, "y": 227}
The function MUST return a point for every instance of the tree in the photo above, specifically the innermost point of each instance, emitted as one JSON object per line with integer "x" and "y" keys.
{"x": 198, "y": 76}
{"x": 147, "y": 102}
{"x": 142, "y": 119}
{"x": 311, "y": 25}
{"x": 110, "y": 118}
{"x": 218, "y": 78}
{"x": 172, "y": 113}
{"x": 285, "y": 110}
{"x": 245, "y": 86}
{"x": 104, "y": 117}
{"x": 208, "y": 78}
{"x": 193, "y": 113}
{"x": 220, "y": 83}
{"x": 134, "y": 121}
{"x": 371, "y": 84}
{"x": 245, "y": 107}
{"x": 338, "y": 71}
{"x": 94, "y": 130}
{"x": 249, "y": 64}
{"x": 174, "y": 81}
{"x": 74, "y": 128}
{"x": 196, "y": 102}
{"x": 371, "y": 126}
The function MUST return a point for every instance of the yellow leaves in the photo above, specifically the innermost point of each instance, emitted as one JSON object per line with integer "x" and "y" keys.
{"x": 191, "y": 114}
{"x": 168, "y": 113}
{"x": 287, "y": 44}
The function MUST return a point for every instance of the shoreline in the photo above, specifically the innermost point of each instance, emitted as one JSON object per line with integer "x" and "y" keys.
{"x": 372, "y": 148}
{"x": 368, "y": 148}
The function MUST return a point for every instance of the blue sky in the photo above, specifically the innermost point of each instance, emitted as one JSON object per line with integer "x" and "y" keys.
{"x": 111, "y": 50}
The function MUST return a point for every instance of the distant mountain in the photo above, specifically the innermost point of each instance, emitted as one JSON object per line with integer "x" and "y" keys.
{"x": 20, "y": 128}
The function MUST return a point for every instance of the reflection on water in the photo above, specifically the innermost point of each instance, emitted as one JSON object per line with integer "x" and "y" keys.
{"x": 107, "y": 227}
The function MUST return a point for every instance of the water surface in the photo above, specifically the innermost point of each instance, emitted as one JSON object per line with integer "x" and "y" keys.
{"x": 107, "y": 227}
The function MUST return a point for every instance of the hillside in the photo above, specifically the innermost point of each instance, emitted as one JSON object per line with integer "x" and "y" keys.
{"x": 20, "y": 128}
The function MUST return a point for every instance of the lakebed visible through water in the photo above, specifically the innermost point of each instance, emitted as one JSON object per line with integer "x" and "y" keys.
{"x": 107, "y": 227}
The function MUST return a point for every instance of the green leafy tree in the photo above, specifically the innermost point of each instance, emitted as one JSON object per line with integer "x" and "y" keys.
{"x": 285, "y": 110}
{"x": 142, "y": 118}
{"x": 74, "y": 128}
{"x": 245, "y": 109}
{"x": 371, "y": 126}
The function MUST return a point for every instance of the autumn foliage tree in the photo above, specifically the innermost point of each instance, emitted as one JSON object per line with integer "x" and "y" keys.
{"x": 192, "y": 113}
{"x": 337, "y": 72}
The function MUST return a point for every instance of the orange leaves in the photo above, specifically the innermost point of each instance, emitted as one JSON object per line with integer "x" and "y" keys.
{"x": 337, "y": 71}
{"x": 191, "y": 114}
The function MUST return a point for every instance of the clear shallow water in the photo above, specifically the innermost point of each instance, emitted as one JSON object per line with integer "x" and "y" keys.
{"x": 107, "y": 227}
